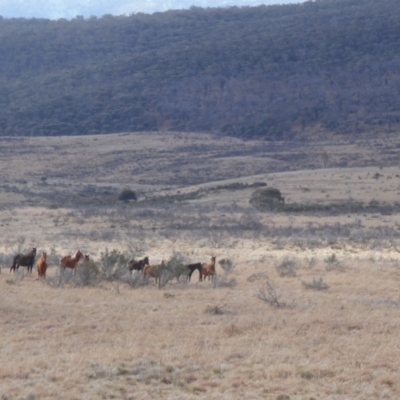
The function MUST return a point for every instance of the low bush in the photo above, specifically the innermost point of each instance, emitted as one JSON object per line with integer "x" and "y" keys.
{"x": 269, "y": 295}
{"x": 214, "y": 310}
{"x": 127, "y": 195}
{"x": 113, "y": 265}
{"x": 332, "y": 263}
{"x": 287, "y": 267}
{"x": 266, "y": 199}
{"x": 227, "y": 265}
{"x": 316, "y": 284}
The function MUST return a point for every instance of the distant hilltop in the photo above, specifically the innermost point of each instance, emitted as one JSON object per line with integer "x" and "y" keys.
{"x": 274, "y": 72}
{"x": 68, "y": 9}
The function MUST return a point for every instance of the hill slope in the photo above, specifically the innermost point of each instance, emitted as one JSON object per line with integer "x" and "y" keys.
{"x": 269, "y": 72}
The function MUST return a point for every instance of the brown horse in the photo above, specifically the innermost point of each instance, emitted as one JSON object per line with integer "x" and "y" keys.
{"x": 41, "y": 265}
{"x": 153, "y": 271}
{"x": 138, "y": 265}
{"x": 71, "y": 261}
{"x": 208, "y": 269}
{"x": 24, "y": 260}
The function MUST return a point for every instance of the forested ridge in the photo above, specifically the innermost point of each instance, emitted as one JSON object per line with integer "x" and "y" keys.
{"x": 272, "y": 72}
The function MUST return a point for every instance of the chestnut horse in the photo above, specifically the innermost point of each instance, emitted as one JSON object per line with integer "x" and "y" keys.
{"x": 41, "y": 265}
{"x": 24, "y": 260}
{"x": 208, "y": 269}
{"x": 138, "y": 265}
{"x": 153, "y": 271}
{"x": 71, "y": 261}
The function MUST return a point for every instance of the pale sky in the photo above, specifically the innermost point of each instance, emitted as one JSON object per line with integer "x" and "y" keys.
{"x": 55, "y": 9}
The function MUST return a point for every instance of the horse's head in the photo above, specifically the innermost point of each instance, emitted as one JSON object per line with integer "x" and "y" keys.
{"x": 78, "y": 255}
{"x": 86, "y": 257}
{"x": 146, "y": 261}
{"x": 44, "y": 255}
{"x": 213, "y": 258}
{"x": 33, "y": 251}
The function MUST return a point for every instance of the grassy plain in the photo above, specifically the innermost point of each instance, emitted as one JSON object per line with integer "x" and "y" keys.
{"x": 199, "y": 340}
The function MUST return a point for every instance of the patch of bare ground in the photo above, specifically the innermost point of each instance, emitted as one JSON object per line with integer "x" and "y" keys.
{"x": 332, "y": 333}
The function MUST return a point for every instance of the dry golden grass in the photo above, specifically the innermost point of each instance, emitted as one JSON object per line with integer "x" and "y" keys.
{"x": 197, "y": 341}
{"x": 96, "y": 343}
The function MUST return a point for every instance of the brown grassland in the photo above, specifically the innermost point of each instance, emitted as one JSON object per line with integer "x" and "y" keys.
{"x": 311, "y": 309}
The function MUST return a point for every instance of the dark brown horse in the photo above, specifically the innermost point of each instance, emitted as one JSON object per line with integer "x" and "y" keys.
{"x": 192, "y": 268}
{"x": 138, "y": 265}
{"x": 24, "y": 260}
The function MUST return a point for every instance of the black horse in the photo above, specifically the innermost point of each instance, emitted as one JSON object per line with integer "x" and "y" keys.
{"x": 138, "y": 265}
{"x": 192, "y": 268}
{"x": 24, "y": 260}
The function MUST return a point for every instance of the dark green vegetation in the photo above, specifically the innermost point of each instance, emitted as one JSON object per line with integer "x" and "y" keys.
{"x": 269, "y": 71}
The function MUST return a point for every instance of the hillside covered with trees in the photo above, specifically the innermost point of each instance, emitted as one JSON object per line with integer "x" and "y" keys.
{"x": 270, "y": 72}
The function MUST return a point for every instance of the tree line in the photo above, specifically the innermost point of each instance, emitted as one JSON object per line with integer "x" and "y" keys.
{"x": 272, "y": 72}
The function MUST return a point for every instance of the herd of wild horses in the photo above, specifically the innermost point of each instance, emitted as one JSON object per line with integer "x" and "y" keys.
{"x": 73, "y": 262}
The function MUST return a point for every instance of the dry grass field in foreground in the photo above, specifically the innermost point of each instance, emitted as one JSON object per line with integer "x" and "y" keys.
{"x": 196, "y": 341}
{"x": 312, "y": 311}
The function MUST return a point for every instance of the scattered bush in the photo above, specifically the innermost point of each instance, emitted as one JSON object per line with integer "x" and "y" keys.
{"x": 258, "y": 276}
{"x": 223, "y": 281}
{"x": 287, "y": 267}
{"x": 87, "y": 274}
{"x": 227, "y": 265}
{"x": 316, "y": 284}
{"x": 214, "y": 310}
{"x": 113, "y": 265}
{"x": 268, "y": 294}
{"x": 266, "y": 199}
{"x": 171, "y": 269}
{"x": 332, "y": 263}
{"x": 127, "y": 195}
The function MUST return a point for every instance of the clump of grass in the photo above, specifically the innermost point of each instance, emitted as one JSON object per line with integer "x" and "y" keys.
{"x": 224, "y": 281}
{"x": 258, "y": 276}
{"x": 214, "y": 310}
{"x": 332, "y": 263}
{"x": 287, "y": 267}
{"x": 318, "y": 284}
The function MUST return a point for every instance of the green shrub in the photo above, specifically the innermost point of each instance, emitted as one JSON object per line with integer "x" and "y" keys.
{"x": 113, "y": 265}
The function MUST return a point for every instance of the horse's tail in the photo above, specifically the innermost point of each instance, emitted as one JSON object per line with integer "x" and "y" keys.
{"x": 14, "y": 265}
